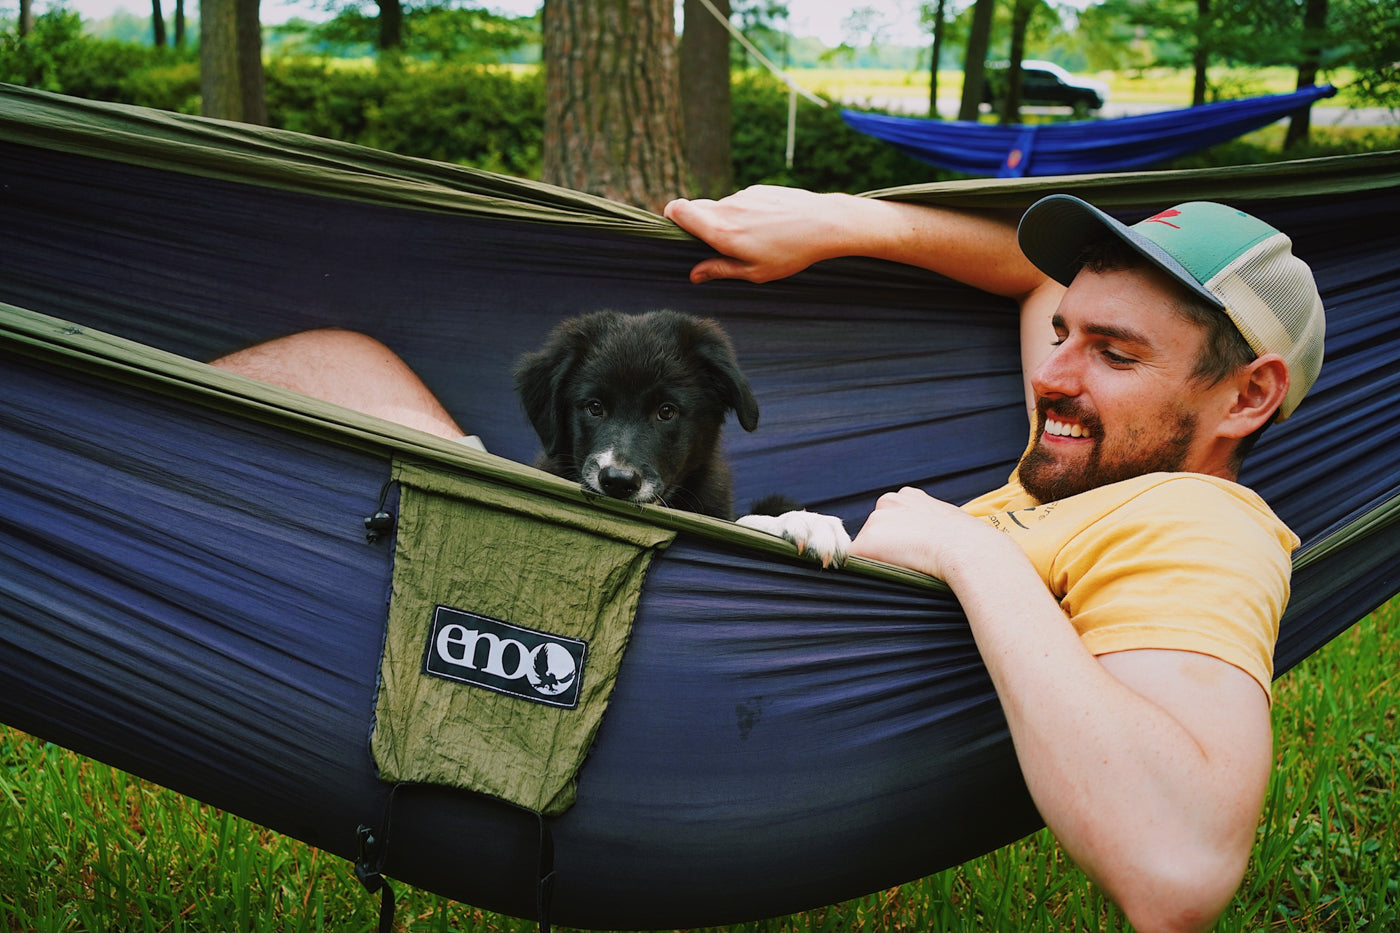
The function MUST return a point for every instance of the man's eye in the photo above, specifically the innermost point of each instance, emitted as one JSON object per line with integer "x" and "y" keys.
{"x": 666, "y": 412}
{"x": 1115, "y": 360}
{"x": 595, "y": 408}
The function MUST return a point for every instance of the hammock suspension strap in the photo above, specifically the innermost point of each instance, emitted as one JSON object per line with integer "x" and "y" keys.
{"x": 544, "y": 887}
{"x": 367, "y": 872}
{"x": 372, "y": 846}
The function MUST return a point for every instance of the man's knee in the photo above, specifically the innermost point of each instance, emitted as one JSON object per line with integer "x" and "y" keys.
{"x": 305, "y": 351}
{"x": 348, "y": 368}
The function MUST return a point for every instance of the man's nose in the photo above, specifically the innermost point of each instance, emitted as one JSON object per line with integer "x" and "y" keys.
{"x": 1059, "y": 375}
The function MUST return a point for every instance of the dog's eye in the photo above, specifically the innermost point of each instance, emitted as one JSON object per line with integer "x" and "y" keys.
{"x": 666, "y": 412}
{"x": 595, "y": 408}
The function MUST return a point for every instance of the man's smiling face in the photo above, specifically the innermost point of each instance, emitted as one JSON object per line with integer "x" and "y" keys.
{"x": 1117, "y": 397}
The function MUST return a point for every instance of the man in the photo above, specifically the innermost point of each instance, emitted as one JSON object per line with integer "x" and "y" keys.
{"x": 1124, "y": 591}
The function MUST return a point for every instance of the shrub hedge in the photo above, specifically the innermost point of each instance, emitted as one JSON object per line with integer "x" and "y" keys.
{"x": 56, "y": 56}
{"x": 478, "y": 115}
{"x": 827, "y": 154}
{"x": 470, "y": 114}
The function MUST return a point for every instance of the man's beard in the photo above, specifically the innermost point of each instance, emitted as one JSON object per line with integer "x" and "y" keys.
{"x": 1048, "y": 480}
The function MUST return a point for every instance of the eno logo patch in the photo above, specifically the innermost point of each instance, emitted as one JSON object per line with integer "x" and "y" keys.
{"x": 521, "y": 662}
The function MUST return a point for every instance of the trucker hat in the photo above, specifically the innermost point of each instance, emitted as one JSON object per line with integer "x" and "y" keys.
{"x": 1232, "y": 260}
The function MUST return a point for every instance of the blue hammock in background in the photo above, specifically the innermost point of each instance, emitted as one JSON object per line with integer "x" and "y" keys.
{"x": 1079, "y": 146}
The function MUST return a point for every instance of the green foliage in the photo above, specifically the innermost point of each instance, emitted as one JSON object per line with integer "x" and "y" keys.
{"x": 316, "y": 96}
{"x": 351, "y": 33}
{"x": 1367, "y": 36}
{"x": 1266, "y": 145}
{"x": 473, "y": 115}
{"x": 57, "y": 56}
{"x": 1362, "y": 38}
{"x": 455, "y": 34}
{"x": 488, "y": 119}
{"x": 435, "y": 31}
{"x": 172, "y": 86}
{"x": 827, "y": 155}
{"x": 493, "y": 119}
{"x": 126, "y": 26}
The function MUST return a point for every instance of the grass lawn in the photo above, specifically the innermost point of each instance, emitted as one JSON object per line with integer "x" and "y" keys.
{"x": 86, "y": 847}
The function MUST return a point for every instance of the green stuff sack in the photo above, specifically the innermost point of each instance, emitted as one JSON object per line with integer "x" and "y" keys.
{"x": 504, "y": 638}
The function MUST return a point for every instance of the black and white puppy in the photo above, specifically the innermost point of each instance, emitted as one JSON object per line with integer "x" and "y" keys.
{"x": 631, "y": 407}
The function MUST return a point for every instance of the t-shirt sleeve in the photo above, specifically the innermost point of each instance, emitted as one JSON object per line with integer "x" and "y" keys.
{"x": 1183, "y": 566}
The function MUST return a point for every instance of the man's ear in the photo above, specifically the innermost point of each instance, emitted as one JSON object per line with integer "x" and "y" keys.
{"x": 1260, "y": 388}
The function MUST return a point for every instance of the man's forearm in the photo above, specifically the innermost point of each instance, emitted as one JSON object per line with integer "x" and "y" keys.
{"x": 766, "y": 232}
{"x": 1160, "y": 819}
{"x": 977, "y": 248}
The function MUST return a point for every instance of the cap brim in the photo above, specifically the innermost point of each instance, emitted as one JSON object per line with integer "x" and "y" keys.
{"x": 1055, "y": 230}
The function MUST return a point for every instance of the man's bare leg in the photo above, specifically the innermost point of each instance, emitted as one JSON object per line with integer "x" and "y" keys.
{"x": 349, "y": 369}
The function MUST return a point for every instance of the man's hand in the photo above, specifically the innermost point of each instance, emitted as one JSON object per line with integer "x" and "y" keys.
{"x": 765, "y": 232}
{"x": 912, "y": 529}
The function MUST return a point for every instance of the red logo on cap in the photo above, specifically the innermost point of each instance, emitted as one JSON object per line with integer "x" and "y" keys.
{"x": 1160, "y": 218}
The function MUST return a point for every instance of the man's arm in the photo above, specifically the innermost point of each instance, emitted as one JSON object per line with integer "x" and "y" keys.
{"x": 1148, "y": 766}
{"x": 765, "y": 233}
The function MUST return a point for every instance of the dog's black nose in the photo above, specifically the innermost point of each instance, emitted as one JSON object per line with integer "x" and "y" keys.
{"x": 619, "y": 483}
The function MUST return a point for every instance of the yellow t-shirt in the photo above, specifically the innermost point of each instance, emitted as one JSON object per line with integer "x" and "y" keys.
{"x": 1180, "y": 561}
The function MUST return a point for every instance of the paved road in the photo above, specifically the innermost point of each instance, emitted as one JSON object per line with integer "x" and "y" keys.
{"x": 1322, "y": 114}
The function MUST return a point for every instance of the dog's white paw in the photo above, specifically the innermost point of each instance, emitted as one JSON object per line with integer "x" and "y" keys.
{"x": 822, "y": 537}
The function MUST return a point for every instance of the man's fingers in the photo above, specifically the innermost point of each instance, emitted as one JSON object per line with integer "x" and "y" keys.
{"x": 721, "y": 267}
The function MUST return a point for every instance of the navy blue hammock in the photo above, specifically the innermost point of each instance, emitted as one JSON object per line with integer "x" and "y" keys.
{"x": 1080, "y": 146}
{"x": 189, "y": 590}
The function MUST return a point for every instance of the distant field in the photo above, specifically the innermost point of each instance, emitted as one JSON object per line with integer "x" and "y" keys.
{"x": 1157, "y": 86}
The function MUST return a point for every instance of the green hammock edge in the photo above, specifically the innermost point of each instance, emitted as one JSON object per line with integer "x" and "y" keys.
{"x": 81, "y": 349}
{"x": 313, "y": 165}
{"x": 62, "y": 343}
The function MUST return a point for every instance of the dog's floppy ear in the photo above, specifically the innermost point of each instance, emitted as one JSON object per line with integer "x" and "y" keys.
{"x": 717, "y": 353}
{"x": 542, "y": 376}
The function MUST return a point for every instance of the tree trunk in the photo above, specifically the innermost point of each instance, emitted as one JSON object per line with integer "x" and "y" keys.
{"x": 230, "y": 61}
{"x": 1200, "y": 56}
{"x": 936, "y": 54}
{"x": 26, "y": 17}
{"x": 975, "y": 59}
{"x": 179, "y": 24}
{"x": 612, "y": 123}
{"x": 390, "y": 25}
{"x": 705, "y": 100}
{"x": 157, "y": 25}
{"x": 1020, "y": 21}
{"x": 1314, "y": 36}
{"x": 250, "y": 64}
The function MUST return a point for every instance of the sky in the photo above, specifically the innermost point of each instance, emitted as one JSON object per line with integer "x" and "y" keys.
{"x": 820, "y": 18}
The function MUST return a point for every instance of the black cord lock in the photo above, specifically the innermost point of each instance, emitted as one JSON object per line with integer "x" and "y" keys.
{"x": 382, "y": 521}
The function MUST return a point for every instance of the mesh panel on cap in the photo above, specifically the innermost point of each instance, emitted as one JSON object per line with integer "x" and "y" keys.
{"x": 1270, "y": 295}
{"x": 1282, "y": 282}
